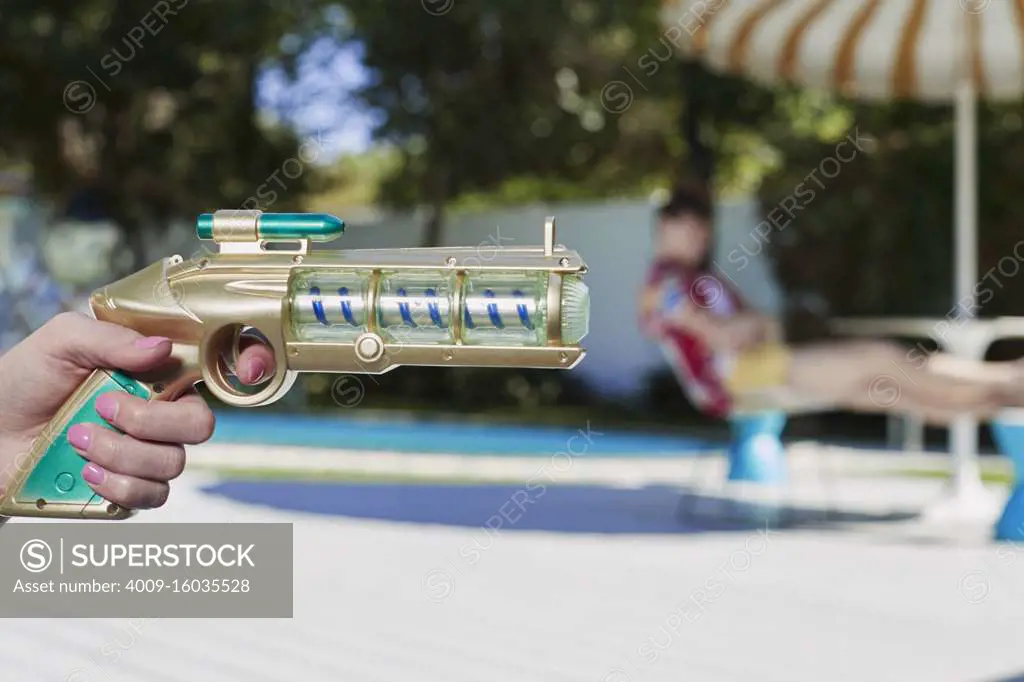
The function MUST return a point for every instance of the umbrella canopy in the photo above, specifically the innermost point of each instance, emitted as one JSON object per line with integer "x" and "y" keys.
{"x": 868, "y": 49}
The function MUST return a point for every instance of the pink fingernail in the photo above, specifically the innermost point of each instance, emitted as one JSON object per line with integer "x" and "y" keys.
{"x": 151, "y": 342}
{"x": 106, "y": 406}
{"x": 80, "y": 437}
{"x": 257, "y": 368}
{"x": 93, "y": 474}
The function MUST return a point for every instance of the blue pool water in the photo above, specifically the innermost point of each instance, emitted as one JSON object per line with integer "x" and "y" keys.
{"x": 446, "y": 437}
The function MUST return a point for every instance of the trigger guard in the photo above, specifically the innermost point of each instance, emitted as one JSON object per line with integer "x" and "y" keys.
{"x": 278, "y": 385}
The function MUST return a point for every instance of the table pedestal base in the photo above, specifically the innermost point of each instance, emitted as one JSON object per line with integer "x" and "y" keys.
{"x": 967, "y": 500}
{"x": 756, "y": 454}
{"x": 1009, "y": 435}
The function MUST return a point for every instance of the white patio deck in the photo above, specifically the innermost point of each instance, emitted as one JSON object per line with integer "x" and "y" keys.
{"x": 380, "y": 601}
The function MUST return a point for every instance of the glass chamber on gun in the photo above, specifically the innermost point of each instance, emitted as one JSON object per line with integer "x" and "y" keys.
{"x": 476, "y": 308}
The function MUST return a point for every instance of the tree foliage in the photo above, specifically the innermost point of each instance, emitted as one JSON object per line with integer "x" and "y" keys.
{"x": 146, "y": 112}
{"x": 479, "y": 96}
{"x": 879, "y": 237}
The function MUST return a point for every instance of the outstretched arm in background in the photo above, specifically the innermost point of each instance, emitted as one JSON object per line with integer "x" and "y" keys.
{"x": 740, "y": 331}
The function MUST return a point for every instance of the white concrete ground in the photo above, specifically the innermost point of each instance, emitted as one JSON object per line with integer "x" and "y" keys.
{"x": 380, "y": 601}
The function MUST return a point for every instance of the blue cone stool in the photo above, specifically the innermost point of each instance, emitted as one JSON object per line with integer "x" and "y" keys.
{"x": 1008, "y": 430}
{"x": 756, "y": 454}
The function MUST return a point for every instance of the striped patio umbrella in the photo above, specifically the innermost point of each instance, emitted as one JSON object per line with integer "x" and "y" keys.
{"x": 935, "y": 51}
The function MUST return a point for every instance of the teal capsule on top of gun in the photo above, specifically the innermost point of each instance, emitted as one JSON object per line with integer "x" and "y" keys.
{"x": 317, "y": 227}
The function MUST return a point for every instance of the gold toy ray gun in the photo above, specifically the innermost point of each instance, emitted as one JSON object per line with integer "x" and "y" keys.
{"x": 365, "y": 311}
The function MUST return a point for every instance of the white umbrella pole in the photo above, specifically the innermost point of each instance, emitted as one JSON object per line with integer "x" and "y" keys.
{"x": 963, "y": 433}
{"x": 966, "y": 244}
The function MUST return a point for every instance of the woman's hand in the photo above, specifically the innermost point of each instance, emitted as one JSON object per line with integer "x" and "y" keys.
{"x": 773, "y": 331}
{"x": 748, "y": 330}
{"x": 743, "y": 332}
{"x": 131, "y": 469}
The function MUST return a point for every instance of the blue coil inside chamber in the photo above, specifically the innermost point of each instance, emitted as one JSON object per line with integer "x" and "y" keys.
{"x": 416, "y": 307}
{"x": 497, "y": 308}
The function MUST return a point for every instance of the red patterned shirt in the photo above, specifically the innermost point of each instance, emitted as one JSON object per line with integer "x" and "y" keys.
{"x": 697, "y": 366}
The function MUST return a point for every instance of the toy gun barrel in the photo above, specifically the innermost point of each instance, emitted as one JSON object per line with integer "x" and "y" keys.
{"x": 422, "y": 317}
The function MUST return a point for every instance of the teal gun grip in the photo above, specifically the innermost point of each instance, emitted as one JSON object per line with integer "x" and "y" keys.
{"x": 55, "y": 486}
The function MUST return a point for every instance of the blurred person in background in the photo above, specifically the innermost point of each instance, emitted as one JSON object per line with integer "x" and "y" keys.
{"x": 722, "y": 351}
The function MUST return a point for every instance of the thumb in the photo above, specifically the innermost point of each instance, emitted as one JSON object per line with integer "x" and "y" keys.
{"x": 90, "y": 344}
